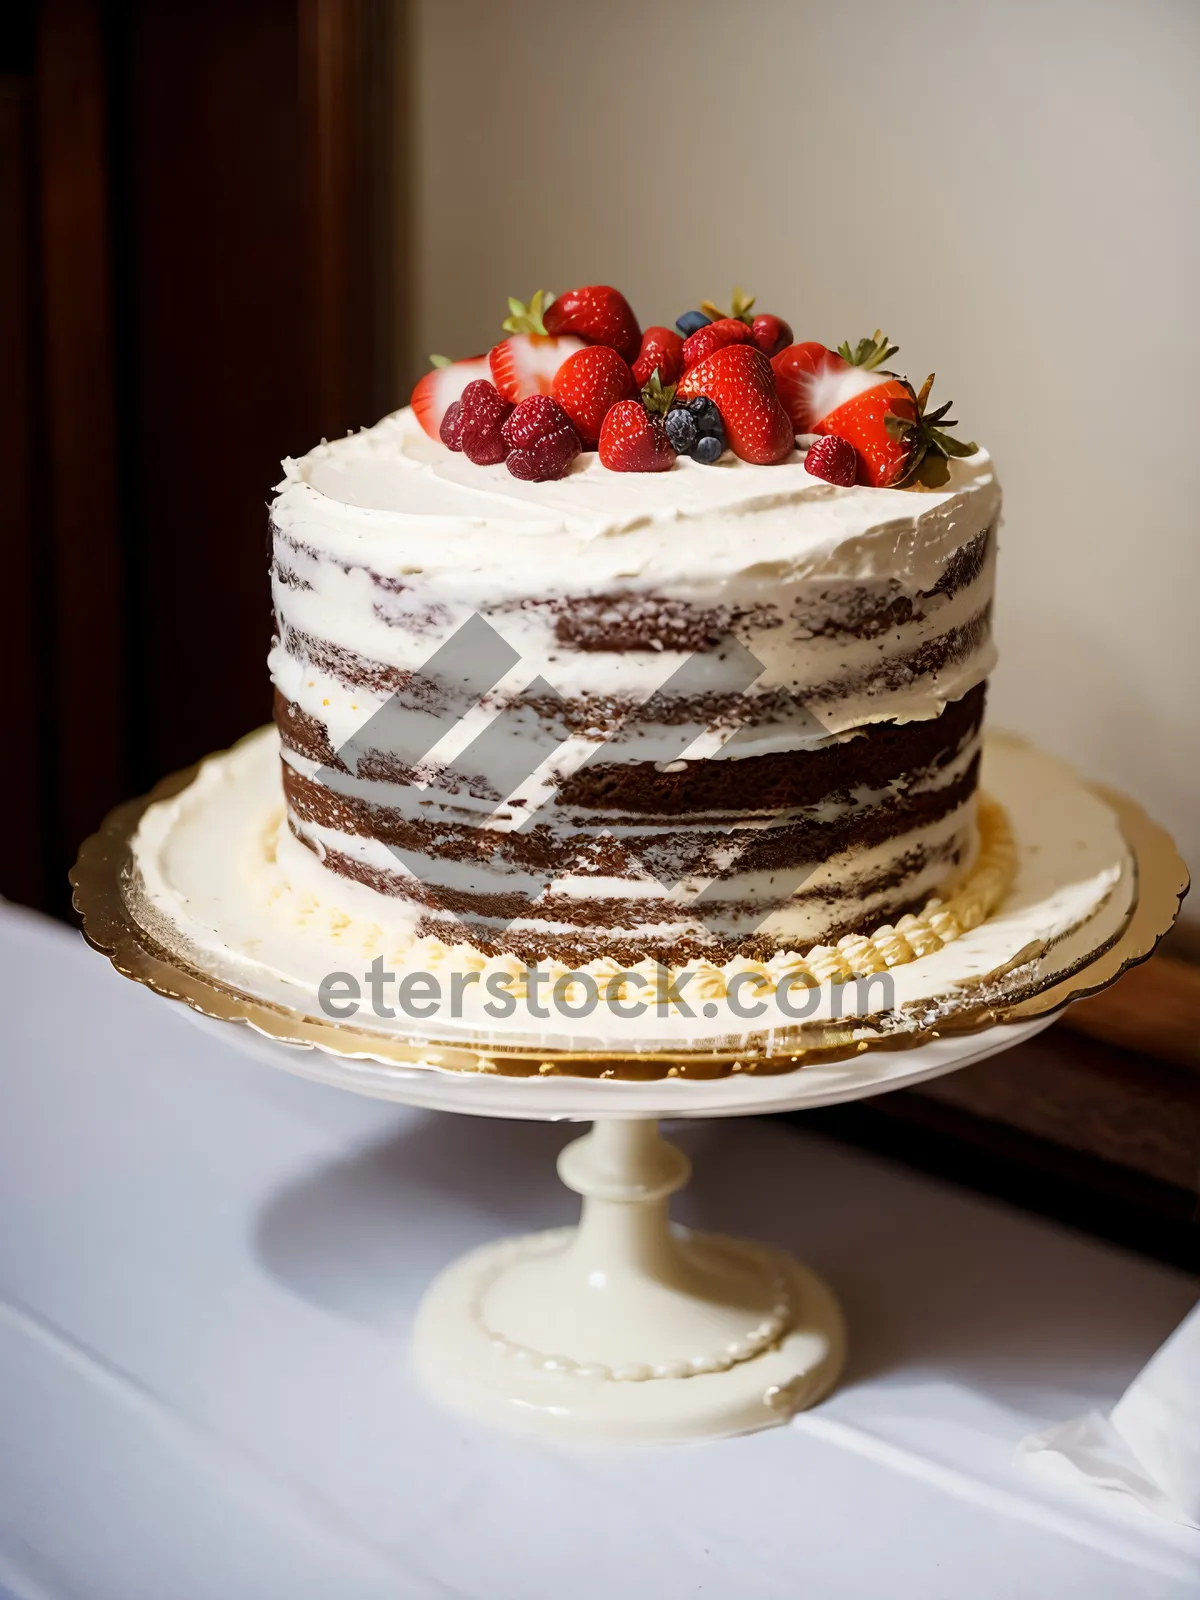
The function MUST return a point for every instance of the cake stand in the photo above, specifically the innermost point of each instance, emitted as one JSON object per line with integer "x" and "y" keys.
{"x": 588, "y": 1332}
{"x": 624, "y": 1328}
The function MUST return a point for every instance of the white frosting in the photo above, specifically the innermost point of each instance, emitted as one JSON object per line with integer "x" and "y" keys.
{"x": 394, "y": 499}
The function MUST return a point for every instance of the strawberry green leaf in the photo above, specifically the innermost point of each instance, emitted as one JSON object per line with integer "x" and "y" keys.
{"x": 739, "y": 309}
{"x": 948, "y": 446}
{"x": 869, "y": 353}
{"x": 440, "y": 361}
{"x": 657, "y": 396}
{"x": 526, "y": 318}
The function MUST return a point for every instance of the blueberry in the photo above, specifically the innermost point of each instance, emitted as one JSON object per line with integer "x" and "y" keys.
{"x": 710, "y": 420}
{"x": 690, "y": 321}
{"x": 681, "y": 429}
{"x": 709, "y": 448}
{"x": 699, "y": 405}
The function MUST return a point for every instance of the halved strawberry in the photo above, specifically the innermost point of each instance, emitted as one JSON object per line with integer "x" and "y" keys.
{"x": 739, "y": 380}
{"x": 525, "y": 363}
{"x": 437, "y": 391}
{"x": 599, "y": 314}
{"x": 811, "y": 380}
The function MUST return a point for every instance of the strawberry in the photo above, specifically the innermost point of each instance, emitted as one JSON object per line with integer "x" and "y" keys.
{"x": 525, "y": 363}
{"x": 726, "y": 330}
{"x": 598, "y": 314}
{"x": 810, "y": 378}
{"x": 661, "y": 352}
{"x": 437, "y": 390}
{"x": 588, "y": 385}
{"x": 895, "y": 438}
{"x": 482, "y": 413}
{"x": 541, "y": 441}
{"x": 862, "y": 420}
{"x": 833, "y": 459}
{"x": 770, "y": 334}
{"x": 634, "y": 440}
{"x": 739, "y": 381}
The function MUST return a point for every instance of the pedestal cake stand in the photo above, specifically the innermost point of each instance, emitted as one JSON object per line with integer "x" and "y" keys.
{"x": 625, "y": 1328}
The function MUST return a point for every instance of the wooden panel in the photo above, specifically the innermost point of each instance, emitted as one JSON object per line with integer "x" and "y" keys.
{"x": 1155, "y": 1008}
{"x": 219, "y": 388}
{"x": 23, "y": 868}
{"x": 1095, "y": 1136}
{"x": 249, "y": 265}
{"x": 84, "y": 709}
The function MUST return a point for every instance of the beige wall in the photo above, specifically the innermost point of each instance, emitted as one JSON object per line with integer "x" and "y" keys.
{"x": 1008, "y": 189}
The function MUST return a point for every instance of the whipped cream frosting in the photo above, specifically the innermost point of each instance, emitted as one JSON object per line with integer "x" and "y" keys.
{"x": 401, "y": 501}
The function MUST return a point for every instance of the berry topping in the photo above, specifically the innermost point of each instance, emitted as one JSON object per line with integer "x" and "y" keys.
{"x": 437, "y": 391}
{"x": 540, "y": 439}
{"x": 450, "y": 432}
{"x": 845, "y": 392}
{"x": 661, "y": 352}
{"x": 635, "y": 440}
{"x": 770, "y": 334}
{"x": 598, "y": 314}
{"x": 695, "y": 428}
{"x": 834, "y": 460}
{"x": 690, "y": 321}
{"x": 483, "y": 410}
{"x": 588, "y": 385}
{"x": 714, "y": 336}
{"x": 740, "y": 381}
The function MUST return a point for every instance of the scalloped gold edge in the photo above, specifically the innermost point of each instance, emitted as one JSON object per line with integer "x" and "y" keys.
{"x": 104, "y": 864}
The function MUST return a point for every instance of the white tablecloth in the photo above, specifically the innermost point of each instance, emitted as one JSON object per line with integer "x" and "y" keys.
{"x": 207, "y": 1275}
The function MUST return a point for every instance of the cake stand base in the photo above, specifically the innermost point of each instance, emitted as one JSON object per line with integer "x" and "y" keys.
{"x": 626, "y": 1329}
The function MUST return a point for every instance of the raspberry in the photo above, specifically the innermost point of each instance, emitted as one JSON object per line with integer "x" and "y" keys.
{"x": 482, "y": 412}
{"x": 541, "y": 441}
{"x": 450, "y": 431}
{"x": 833, "y": 459}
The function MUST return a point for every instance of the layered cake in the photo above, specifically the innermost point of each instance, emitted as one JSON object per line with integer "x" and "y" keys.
{"x": 664, "y": 645}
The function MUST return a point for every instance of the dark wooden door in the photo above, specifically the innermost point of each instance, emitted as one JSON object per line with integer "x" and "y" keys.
{"x": 195, "y": 278}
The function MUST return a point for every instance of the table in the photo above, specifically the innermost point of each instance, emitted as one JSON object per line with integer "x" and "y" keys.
{"x": 208, "y": 1271}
